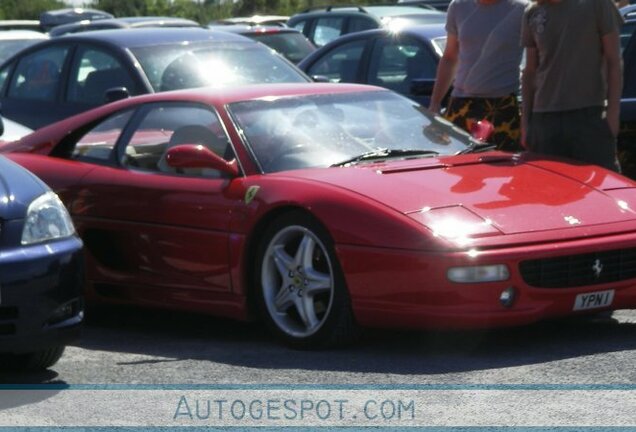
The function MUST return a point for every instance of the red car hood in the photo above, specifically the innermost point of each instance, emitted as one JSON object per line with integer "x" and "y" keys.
{"x": 515, "y": 194}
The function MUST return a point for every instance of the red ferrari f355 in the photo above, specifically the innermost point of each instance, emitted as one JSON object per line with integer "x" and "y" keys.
{"x": 323, "y": 208}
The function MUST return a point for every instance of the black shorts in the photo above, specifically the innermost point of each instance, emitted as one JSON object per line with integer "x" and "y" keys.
{"x": 583, "y": 135}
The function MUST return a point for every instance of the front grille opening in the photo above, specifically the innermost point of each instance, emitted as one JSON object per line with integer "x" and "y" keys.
{"x": 593, "y": 268}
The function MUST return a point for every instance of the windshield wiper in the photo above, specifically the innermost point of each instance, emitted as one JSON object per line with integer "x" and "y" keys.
{"x": 476, "y": 147}
{"x": 384, "y": 153}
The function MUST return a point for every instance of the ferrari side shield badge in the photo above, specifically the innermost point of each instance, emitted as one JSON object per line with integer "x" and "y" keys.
{"x": 250, "y": 194}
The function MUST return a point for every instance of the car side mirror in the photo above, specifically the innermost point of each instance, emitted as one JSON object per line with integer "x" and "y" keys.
{"x": 1, "y": 126}
{"x": 115, "y": 94}
{"x": 198, "y": 156}
{"x": 482, "y": 130}
{"x": 422, "y": 86}
{"x": 320, "y": 78}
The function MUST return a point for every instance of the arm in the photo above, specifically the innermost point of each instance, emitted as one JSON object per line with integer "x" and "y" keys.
{"x": 528, "y": 76}
{"x": 445, "y": 72}
{"x": 614, "y": 64}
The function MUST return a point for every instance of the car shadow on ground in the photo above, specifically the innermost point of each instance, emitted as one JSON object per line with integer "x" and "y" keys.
{"x": 176, "y": 336}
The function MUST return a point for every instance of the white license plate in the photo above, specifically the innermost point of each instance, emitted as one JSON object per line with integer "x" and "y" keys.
{"x": 593, "y": 300}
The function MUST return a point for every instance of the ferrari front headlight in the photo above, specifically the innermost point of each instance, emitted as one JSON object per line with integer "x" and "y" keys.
{"x": 47, "y": 219}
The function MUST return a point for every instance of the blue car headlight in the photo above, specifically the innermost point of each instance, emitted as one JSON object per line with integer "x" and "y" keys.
{"x": 47, "y": 219}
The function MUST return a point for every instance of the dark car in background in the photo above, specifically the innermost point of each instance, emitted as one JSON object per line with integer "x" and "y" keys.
{"x": 120, "y": 23}
{"x": 254, "y": 20}
{"x": 70, "y": 74}
{"x": 41, "y": 272}
{"x": 323, "y": 24}
{"x": 437, "y": 4}
{"x": 289, "y": 42}
{"x": 404, "y": 61}
{"x": 53, "y": 18}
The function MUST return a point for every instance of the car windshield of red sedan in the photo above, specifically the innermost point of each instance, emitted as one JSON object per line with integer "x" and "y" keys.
{"x": 173, "y": 67}
{"x": 321, "y": 130}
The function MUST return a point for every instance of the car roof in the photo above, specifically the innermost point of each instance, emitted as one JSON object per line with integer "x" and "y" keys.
{"x": 131, "y": 38}
{"x": 254, "y": 29}
{"x": 426, "y": 31}
{"x": 245, "y": 92}
{"x": 123, "y": 22}
{"x": 21, "y": 35}
{"x": 376, "y": 11}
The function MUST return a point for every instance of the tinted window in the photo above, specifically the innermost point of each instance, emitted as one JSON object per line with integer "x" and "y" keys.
{"x": 294, "y": 46}
{"x": 327, "y": 29}
{"x": 187, "y": 66}
{"x": 300, "y": 25}
{"x": 166, "y": 126}
{"x": 394, "y": 64}
{"x": 341, "y": 63}
{"x": 37, "y": 75}
{"x": 94, "y": 72}
{"x": 360, "y": 24}
{"x": 98, "y": 143}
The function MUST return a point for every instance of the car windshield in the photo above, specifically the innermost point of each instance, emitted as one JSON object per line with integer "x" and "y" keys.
{"x": 179, "y": 66}
{"x": 325, "y": 129}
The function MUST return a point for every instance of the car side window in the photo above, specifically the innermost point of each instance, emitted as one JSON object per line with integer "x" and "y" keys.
{"x": 357, "y": 24}
{"x": 341, "y": 64}
{"x": 327, "y": 29}
{"x": 300, "y": 25}
{"x": 168, "y": 125}
{"x": 394, "y": 64}
{"x": 4, "y": 73}
{"x": 37, "y": 76}
{"x": 98, "y": 143}
{"x": 93, "y": 73}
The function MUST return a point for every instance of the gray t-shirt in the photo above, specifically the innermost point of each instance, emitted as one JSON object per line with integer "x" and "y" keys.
{"x": 489, "y": 46}
{"x": 567, "y": 36}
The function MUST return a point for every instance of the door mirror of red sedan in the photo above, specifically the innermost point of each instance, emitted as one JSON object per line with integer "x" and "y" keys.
{"x": 198, "y": 156}
{"x": 482, "y": 130}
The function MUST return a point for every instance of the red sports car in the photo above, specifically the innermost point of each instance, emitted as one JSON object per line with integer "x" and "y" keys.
{"x": 324, "y": 207}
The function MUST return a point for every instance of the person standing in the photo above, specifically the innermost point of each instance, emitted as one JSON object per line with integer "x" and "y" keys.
{"x": 481, "y": 61}
{"x": 572, "y": 80}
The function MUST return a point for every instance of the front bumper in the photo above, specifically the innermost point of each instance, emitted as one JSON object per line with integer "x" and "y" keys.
{"x": 410, "y": 289}
{"x": 41, "y": 302}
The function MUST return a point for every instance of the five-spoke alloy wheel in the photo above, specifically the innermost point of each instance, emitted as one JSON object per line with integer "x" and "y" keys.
{"x": 303, "y": 296}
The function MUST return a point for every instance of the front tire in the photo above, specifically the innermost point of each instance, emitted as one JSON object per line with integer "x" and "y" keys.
{"x": 33, "y": 361}
{"x": 302, "y": 294}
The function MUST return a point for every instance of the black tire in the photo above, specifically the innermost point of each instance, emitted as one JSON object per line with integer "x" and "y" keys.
{"x": 33, "y": 361}
{"x": 311, "y": 316}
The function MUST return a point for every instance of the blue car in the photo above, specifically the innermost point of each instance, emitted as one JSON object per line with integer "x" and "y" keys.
{"x": 403, "y": 60}
{"x": 41, "y": 272}
{"x": 70, "y": 74}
